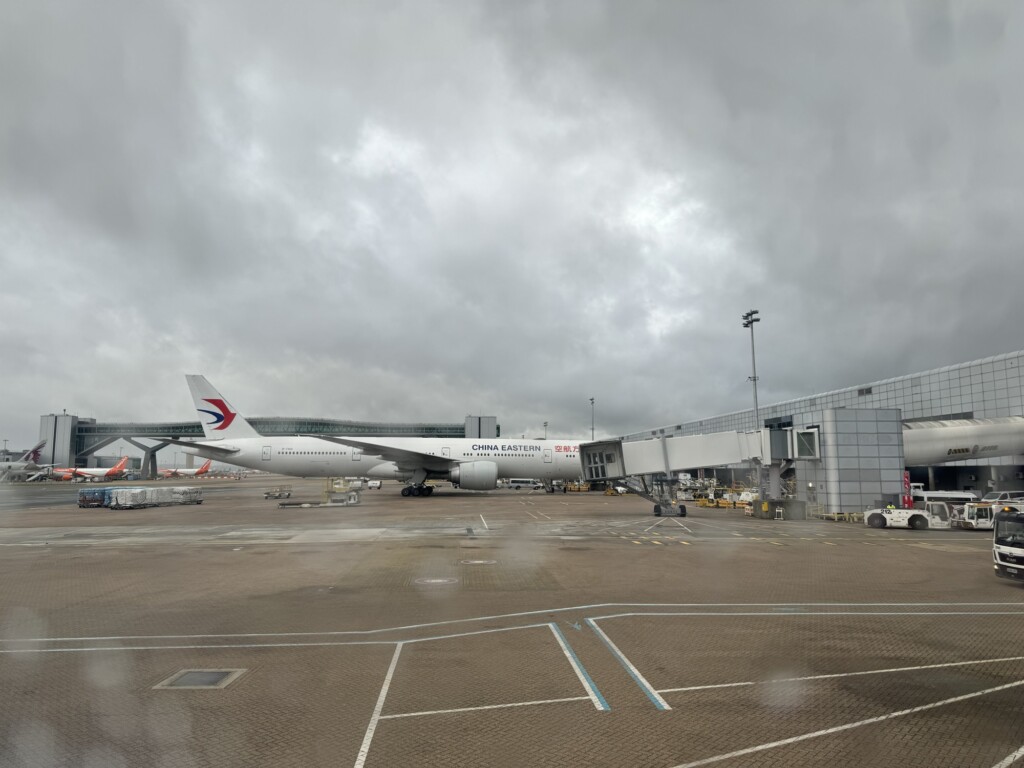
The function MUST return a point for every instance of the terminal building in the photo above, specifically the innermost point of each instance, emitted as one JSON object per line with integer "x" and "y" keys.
{"x": 861, "y": 433}
{"x": 72, "y": 441}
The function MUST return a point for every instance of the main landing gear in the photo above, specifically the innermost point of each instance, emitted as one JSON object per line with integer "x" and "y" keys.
{"x": 418, "y": 490}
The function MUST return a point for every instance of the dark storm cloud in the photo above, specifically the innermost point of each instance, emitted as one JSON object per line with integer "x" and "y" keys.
{"x": 423, "y": 210}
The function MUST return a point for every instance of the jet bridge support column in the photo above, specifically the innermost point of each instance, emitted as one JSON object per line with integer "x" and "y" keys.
{"x": 148, "y": 470}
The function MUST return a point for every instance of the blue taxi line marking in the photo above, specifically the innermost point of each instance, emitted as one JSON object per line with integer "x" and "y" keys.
{"x": 633, "y": 672}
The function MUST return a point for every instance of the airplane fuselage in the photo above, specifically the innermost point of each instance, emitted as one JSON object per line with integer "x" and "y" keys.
{"x": 312, "y": 457}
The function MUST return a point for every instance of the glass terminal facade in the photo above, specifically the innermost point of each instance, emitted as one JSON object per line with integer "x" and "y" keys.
{"x": 982, "y": 389}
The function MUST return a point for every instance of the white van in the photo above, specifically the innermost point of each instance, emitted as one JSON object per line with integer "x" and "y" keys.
{"x": 515, "y": 483}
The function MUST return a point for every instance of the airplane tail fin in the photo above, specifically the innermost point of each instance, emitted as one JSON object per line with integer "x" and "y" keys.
{"x": 220, "y": 419}
{"x": 119, "y": 467}
{"x": 32, "y": 454}
{"x": 205, "y": 468}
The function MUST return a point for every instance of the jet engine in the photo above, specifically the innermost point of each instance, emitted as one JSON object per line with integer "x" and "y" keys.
{"x": 475, "y": 475}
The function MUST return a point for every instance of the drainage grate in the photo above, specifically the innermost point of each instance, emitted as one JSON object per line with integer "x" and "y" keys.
{"x": 200, "y": 679}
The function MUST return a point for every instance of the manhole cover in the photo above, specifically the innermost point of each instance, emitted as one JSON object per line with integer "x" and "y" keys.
{"x": 435, "y": 581}
{"x": 478, "y": 562}
{"x": 201, "y": 678}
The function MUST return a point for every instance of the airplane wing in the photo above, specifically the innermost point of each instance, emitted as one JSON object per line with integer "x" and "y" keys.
{"x": 225, "y": 450}
{"x": 402, "y": 457}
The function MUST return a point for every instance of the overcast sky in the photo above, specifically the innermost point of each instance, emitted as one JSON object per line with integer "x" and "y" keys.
{"x": 415, "y": 211}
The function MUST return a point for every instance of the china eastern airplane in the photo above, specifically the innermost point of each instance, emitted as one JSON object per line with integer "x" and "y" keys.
{"x": 94, "y": 473}
{"x": 197, "y": 472}
{"x": 471, "y": 463}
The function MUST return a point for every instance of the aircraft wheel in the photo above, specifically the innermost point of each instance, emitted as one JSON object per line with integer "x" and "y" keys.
{"x": 415, "y": 490}
{"x": 428, "y": 490}
{"x": 406, "y": 491}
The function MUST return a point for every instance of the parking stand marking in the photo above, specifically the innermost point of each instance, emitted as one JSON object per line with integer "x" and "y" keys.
{"x": 588, "y": 684}
{"x": 849, "y": 726}
{"x": 639, "y": 679}
{"x": 1010, "y": 759}
{"x": 364, "y": 750}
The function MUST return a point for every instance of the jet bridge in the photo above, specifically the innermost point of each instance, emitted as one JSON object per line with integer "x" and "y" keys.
{"x": 663, "y": 455}
{"x": 615, "y": 459}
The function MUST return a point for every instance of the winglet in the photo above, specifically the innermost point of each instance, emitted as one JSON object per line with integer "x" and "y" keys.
{"x": 220, "y": 419}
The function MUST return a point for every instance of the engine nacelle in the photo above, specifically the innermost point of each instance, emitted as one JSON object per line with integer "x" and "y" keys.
{"x": 475, "y": 475}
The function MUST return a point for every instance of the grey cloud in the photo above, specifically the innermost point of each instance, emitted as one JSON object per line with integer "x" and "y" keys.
{"x": 421, "y": 210}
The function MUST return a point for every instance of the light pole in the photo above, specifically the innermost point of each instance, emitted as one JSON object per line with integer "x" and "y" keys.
{"x": 591, "y": 419}
{"x": 748, "y": 322}
{"x": 545, "y": 430}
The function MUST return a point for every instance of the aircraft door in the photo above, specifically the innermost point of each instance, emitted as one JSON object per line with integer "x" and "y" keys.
{"x": 357, "y": 454}
{"x": 266, "y": 452}
{"x": 547, "y": 455}
{"x": 446, "y": 453}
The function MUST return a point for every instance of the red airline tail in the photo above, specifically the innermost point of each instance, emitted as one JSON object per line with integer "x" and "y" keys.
{"x": 205, "y": 468}
{"x": 119, "y": 467}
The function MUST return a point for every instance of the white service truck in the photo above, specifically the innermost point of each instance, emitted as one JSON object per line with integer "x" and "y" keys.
{"x": 1008, "y": 542}
{"x": 932, "y": 514}
{"x": 976, "y": 516}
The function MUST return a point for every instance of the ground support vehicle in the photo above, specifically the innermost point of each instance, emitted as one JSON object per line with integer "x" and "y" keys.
{"x": 94, "y": 497}
{"x": 934, "y": 514}
{"x": 1008, "y": 542}
{"x": 979, "y": 516}
{"x": 280, "y": 492}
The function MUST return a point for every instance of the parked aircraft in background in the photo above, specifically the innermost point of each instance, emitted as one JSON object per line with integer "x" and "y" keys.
{"x": 26, "y": 467}
{"x": 94, "y": 473}
{"x": 471, "y": 463}
{"x": 198, "y": 472}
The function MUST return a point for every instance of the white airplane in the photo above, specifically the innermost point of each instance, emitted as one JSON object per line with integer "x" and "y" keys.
{"x": 90, "y": 473}
{"x": 470, "y": 463}
{"x": 197, "y": 472}
{"x": 26, "y": 467}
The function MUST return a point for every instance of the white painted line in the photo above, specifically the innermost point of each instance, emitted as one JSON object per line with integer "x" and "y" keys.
{"x": 531, "y": 514}
{"x": 588, "y": 684}
{"x": 806, "y": 614}
{"x": 375, "y": 718}
{"x": 478, "y": 709}
{"x": 676, "y": 521}
{"x": 848, "y": 726}
{"x": 198, "y": 647}
{"x": 843, "y": 674}
{"x": 639, "y": 679}
{"x": 485, "y": 523}
{"x": 520, "y": 614}
{"x": 656, "y": 524}
{"x": 475, "y": 632}
{"x": 1009, "y": 760}
{"x": 542, "y": 514}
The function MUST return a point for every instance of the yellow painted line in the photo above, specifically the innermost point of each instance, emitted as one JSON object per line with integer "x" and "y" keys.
{"x": 777, "y": 544}
{"x": 829, "y": 543}
{"x": 658, "y": 543}
{"x": 638, "y": 542}
{"x": 685, "y": 542}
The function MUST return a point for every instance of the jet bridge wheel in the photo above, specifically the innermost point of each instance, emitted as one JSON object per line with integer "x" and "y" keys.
{"x": 657, "y": 510}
